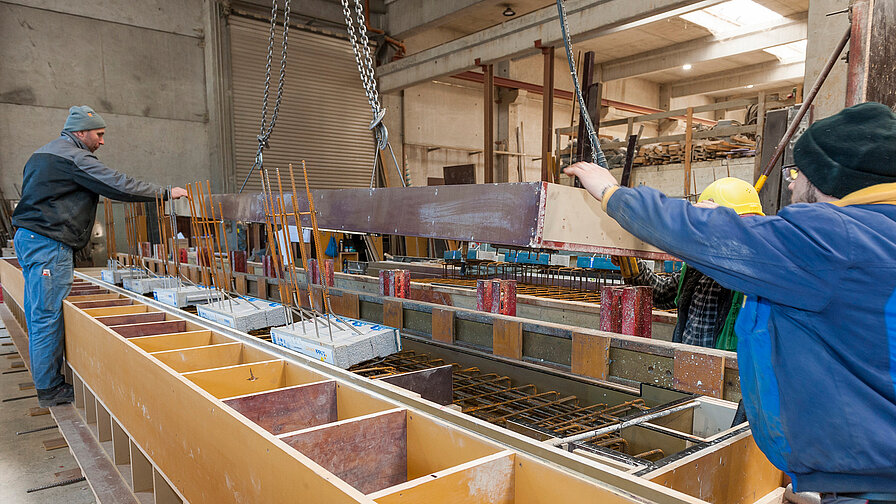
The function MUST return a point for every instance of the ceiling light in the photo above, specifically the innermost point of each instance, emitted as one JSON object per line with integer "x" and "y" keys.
{"x": 749, "y": 86}
{"x": 509, "y": 12}
{"x": 686, "y": 66}
{"x": 732, "y": 16}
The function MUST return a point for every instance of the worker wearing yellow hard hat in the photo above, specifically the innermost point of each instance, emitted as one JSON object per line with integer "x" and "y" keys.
{"x": 733, "y": 193}
{"x": 706, "y": 310}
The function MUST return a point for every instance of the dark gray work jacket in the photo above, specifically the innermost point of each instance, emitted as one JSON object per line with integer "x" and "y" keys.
{"x": 61, "y": 185}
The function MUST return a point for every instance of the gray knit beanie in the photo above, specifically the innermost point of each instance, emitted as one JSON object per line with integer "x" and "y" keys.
{"x": 83, "y": 118}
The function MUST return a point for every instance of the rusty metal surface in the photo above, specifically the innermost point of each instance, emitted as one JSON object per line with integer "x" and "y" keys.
{"x": 497, "y": 213}
{"x": 433, "y": 384}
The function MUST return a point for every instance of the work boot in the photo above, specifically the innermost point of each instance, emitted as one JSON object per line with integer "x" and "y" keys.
{"x": 60, "y": 394}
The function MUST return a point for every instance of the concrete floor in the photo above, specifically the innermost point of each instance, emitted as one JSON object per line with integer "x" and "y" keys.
{"x": 24, "y": 463}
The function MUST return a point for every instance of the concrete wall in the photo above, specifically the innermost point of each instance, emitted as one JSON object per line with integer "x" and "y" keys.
{"x": 824, "y": 33}
{"x": 443, "y": 126}
{"x": 142, "y": 65}
{"x": 670, "y": 178}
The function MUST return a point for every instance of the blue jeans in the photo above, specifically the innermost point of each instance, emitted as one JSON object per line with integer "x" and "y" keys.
{"x": 47, "y": 267}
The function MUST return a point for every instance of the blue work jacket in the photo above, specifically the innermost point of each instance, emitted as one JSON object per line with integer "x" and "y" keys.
{"x": 817, "y": 335}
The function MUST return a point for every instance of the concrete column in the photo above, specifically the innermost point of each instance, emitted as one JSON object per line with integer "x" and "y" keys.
{"x": 507, "y": 120}
{"x": 547, "y": 118}
{"x": 393, "y": 103}
{"x": 824, "y": 33}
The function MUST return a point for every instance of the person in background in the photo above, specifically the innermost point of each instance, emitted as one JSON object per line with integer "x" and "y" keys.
{"x": 706, "y": 310}
{"x": 816, "y": 345}
{"x": 61, "y": 185}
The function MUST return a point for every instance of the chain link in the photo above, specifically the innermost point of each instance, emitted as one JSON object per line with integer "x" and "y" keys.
{"x": 361, "y": 50}
{"x": 357, "y": 34}
{"x": 267, "y": 128}
{"x": 597, "y": 155}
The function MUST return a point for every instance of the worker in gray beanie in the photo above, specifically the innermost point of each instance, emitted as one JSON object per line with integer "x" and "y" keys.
{"x": 83, "y": 118}
{"x": 61, "y": 185}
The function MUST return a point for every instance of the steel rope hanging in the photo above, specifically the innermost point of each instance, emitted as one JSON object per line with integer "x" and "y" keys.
{"x": 368, "y": 80}
{"x": 268, "y": 128}
{"x": 597, "y": 155}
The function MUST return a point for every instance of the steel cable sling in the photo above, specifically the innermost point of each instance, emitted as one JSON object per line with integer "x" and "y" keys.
{"x": 268, "y": 128}
{"x": 357, "y": 34}
{"x": 597, "y": 155}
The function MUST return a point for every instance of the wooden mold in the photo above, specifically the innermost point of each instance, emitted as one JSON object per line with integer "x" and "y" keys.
{"x": 200, "y": 410}
{"x": 210, "y": 356}
{"x": 132, "y": 318}
{"x": 252, "y": 378}
{"x": 104, "y": 303}
{"x": 188, "y": 339}
{"x": 150, "y": 328}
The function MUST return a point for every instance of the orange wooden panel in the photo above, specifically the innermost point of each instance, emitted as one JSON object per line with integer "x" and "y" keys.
{"x": 507, "y": 338}
{"x": 443, "y": 325}
{"x": 591, "y": 355}
{"x": 700, "y": 373}
{"x": 393, "y": 313}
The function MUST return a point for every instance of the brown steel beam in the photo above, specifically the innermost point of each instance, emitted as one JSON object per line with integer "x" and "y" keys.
{"x": 547, "y": 115}
{"x": 504, "y": 82}
{"x": 488, "y": 136}
{"x": 529, "y": 214}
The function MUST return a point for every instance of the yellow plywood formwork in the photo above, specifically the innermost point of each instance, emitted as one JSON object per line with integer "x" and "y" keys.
{"x": 733, "y": 471}
{"x": 204, "y": 416}
{"x": 208, "y": 453}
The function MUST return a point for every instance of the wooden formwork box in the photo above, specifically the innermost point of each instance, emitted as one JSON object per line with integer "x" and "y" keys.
{"x": 176, "y": 398}
{"x": 203, "y": 409}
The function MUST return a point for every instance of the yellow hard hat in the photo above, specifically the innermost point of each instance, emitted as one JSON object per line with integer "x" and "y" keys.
{"x": 733, "y": 193}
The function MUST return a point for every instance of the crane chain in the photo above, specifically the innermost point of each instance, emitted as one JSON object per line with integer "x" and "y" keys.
{"x": 597, "y": 155}
{"x": 267, "y": 128}
{"x": 357, "y": 34}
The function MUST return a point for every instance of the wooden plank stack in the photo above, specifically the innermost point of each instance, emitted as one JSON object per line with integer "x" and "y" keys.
{"x": 674, "y": 152}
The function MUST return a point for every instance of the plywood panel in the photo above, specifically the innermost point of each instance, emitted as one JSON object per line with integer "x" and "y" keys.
{"x": 151, "y": 328}
{"x": 484, "y": 481}
{"x": 346, "y": 305}
{"x": 206, "y": 357}
{"x": 591, "y": 355}
{"x": 393, "y": 313}
{"x": 116, "y": 310}
{"x": 351, "y": 402}
{"x": 574, "y": 220}
{"x": 507, "y": 338}
{"x": 434, "y": 446}
{"x": 433, "y": 384}
{"x": 369, "y": 453}
{"x": 228, "y": 454}
{"x": 164, "y": 342}
{"x": 734, "y": 472}
{"x": 101, "y": 304}
{"x": 443, "y": 325}
{"x": 699, "y": 372}
{"x": 289, "y": 409}
{"x": 529, "y": 486}
{"x": 91, "y": 296}
{"x": 252, "y": 378}
{"x": 134, "y": 318}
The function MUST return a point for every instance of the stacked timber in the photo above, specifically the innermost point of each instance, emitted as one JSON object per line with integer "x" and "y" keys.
{"x": 704, "y": 150}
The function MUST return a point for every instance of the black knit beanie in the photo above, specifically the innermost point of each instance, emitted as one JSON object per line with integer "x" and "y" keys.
{"x": 850, "y": 150}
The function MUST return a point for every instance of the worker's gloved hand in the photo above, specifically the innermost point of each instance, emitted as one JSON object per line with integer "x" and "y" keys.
{"x": 628, "y": 266}
{"x": 594, "y": 178}
{"x": 707, "y": 204}
{"x": 177, "y": 192}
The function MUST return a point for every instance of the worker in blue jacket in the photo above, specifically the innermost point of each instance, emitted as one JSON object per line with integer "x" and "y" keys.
{"x": 817, "y": 334}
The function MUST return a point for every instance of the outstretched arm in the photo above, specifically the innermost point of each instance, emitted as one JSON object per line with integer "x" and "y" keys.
{"x": 791, "y": 261}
